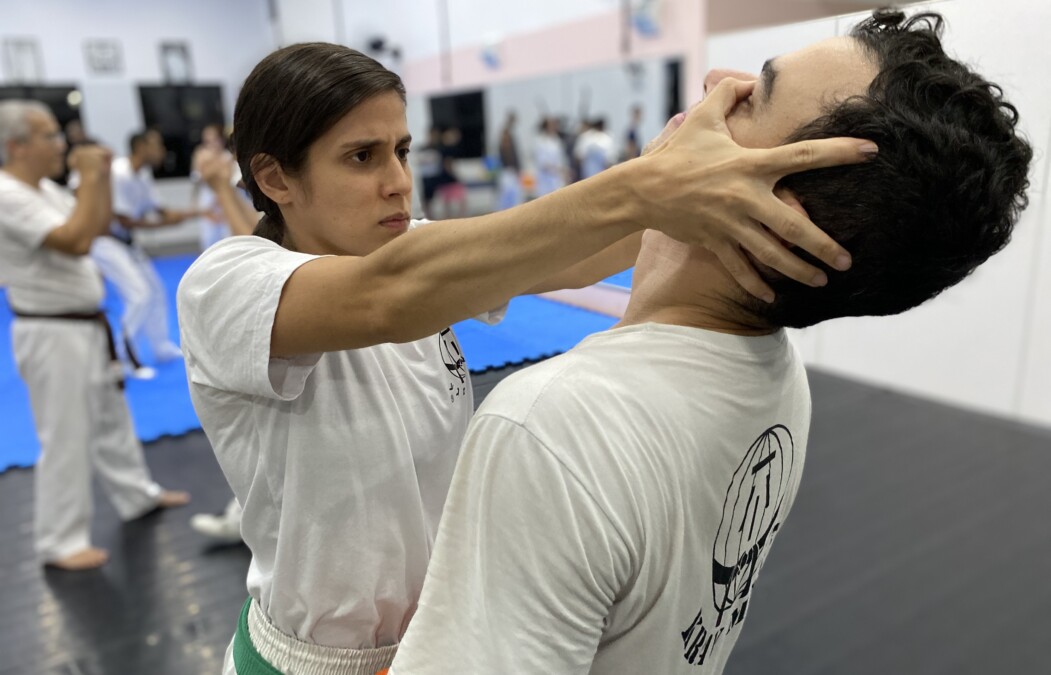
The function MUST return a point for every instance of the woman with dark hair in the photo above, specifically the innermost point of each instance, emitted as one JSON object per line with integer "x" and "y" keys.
{"x": 319, "y": 355}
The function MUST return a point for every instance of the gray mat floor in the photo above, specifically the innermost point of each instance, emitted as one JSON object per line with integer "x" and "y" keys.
{"x": 919, "y": 543}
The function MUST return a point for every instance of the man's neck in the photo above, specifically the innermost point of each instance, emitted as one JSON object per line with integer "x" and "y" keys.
{"x": 686, "y": 286}
{"x": 24, "y": 175}
{"x": 136, "y": 163}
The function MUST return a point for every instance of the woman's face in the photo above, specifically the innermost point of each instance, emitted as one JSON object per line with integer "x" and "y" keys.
{"x": 211, "y": 137}
{"x": 354, "y": 192}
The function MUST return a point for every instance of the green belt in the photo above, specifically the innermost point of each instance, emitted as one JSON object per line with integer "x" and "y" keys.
{"x": 247, "y": 660}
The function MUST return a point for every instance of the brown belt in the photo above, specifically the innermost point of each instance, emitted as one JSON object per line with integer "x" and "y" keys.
{"x": 95, "y": 317}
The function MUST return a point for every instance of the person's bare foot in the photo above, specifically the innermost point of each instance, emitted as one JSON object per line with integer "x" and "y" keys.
{"x": 170, "y": 499}
{"x": 88, "y": 559}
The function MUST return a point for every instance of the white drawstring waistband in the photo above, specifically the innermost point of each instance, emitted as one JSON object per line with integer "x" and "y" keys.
{"x": 295, "y": 657}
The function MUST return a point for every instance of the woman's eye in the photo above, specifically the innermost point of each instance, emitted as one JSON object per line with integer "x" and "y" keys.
{"x": 362, "y": 156}
{"x": 403, "y": 153}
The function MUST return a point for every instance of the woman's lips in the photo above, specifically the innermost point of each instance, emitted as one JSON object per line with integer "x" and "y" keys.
{"x": 395, "y": 223}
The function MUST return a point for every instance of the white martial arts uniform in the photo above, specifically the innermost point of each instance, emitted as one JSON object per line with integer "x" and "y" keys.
{"x": 612, "y": 508}
{"x": 129, "y": 268}
{"x": 550, "y": 159}
{"x": 81, "y": 415}
{"x": 596, "y": 152}
{"x": 212, "y": 231}
{"x": 341, "y": 460}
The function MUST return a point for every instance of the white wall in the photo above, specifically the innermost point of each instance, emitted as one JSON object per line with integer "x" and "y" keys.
{"x": 305, "y": 21}
{"x": 226, "y": 40}
{"x": 985, "y": 343}
{"x": 415, "y": 25}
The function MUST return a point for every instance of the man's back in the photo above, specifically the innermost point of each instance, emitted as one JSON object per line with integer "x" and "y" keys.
{"x": 613, "y": 506}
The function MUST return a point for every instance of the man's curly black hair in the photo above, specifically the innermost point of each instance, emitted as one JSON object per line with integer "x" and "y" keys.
{"x": 942, "y": 195}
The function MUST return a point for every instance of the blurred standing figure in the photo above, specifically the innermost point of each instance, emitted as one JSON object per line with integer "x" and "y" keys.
{"x": 594, "y": 149}
{"x": 213, "y": 225}
{"x": 550, "y": 158}
{"x": 61, "y": 340}
{"x": 136, "y": 205}
{"x": 75, "y": 135}
{"x": 510, "y": 166}
{"x": 450, "y": 189}
{"x": 569, "y": 145}
{"x": 429, "y": 168}
{"x": 633, "y": 139}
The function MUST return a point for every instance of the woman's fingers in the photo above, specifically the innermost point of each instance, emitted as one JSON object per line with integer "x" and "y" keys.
{"x": 708, "y": 114}
{"x": 712, "y": 111}
{"x": 669, "y": 128}
{"x": 816, "y": 154}
{"x": 793, "y": 227}
{"x": 740, "y": 268}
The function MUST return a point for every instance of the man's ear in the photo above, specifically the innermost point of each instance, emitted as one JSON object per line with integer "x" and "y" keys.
{"x": 271, "y": 179}
{"x": 10, "y": 146}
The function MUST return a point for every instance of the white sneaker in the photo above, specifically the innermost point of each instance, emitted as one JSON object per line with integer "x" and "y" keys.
{"x": 142, "y": 373}
{"x": 220, "y": 528}
{"x": 169, "y": 351}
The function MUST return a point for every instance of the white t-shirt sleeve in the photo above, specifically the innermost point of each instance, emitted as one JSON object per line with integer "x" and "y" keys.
{"x": 124, "y": 197}
{"x": 156, "y": 203}
{"x": 525, "y": 569}
{"x": 27, "y": 218}
{"x": 227, "y": 301}
{"x": 491, "y": 317}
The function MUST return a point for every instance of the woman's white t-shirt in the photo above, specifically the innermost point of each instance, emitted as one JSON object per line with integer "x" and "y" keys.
{"x": 341, "y": 460}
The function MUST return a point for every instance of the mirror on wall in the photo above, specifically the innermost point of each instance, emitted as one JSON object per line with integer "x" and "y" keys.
{"x": 630, "y": 102}
{"x": 179, "y": 113}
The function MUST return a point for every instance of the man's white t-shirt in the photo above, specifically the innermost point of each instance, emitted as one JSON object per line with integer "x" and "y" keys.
{"x": 596, "y": 152}
{"x": 340, "y": 460}
{"x": 39, "y": 279}
{"x": 134, "y": 194}
{"x": 612, "y": 508}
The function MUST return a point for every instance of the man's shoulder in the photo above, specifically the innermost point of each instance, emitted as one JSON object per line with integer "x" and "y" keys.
{"x": 51, "y": 187}
{"x": 565, "y": 386}
{"x": 517, "y": 395}
{"x": 9, "y": 184}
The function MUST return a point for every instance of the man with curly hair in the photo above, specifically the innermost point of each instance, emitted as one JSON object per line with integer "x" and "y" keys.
{"x": 612, "y": 507}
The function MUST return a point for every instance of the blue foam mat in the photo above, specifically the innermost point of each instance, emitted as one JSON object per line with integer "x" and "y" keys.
{"x": 533, "y": 329}
{"x": 622, "y": 279}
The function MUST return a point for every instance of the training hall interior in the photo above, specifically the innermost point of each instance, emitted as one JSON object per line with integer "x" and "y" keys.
{"x": 918, "y": 541}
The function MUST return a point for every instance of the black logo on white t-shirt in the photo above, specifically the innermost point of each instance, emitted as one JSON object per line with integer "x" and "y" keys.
{"x": 454, "y": 363}
{"x": 752, "y": 514}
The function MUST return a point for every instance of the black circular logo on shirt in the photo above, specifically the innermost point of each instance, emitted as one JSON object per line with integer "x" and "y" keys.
{"x": 452, "y": 356}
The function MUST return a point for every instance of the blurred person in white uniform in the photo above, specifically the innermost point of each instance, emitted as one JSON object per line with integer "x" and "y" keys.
{"x": 213, "y": 224}
{"x": 595, "y": 150}
{"x": 633, "y": 137}
{"x": 549, "y": 158}
{"x": 319, "y": 354}
{"x": 612, "y": 507}
{"x": 510, "y": 182}
{"x": 217, "y": 170}
{"x": 137, "y": 205}
{"x": 62, "y": 343}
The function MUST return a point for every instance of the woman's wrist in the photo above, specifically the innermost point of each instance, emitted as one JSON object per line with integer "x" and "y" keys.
{"x": 613, "y": 196}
